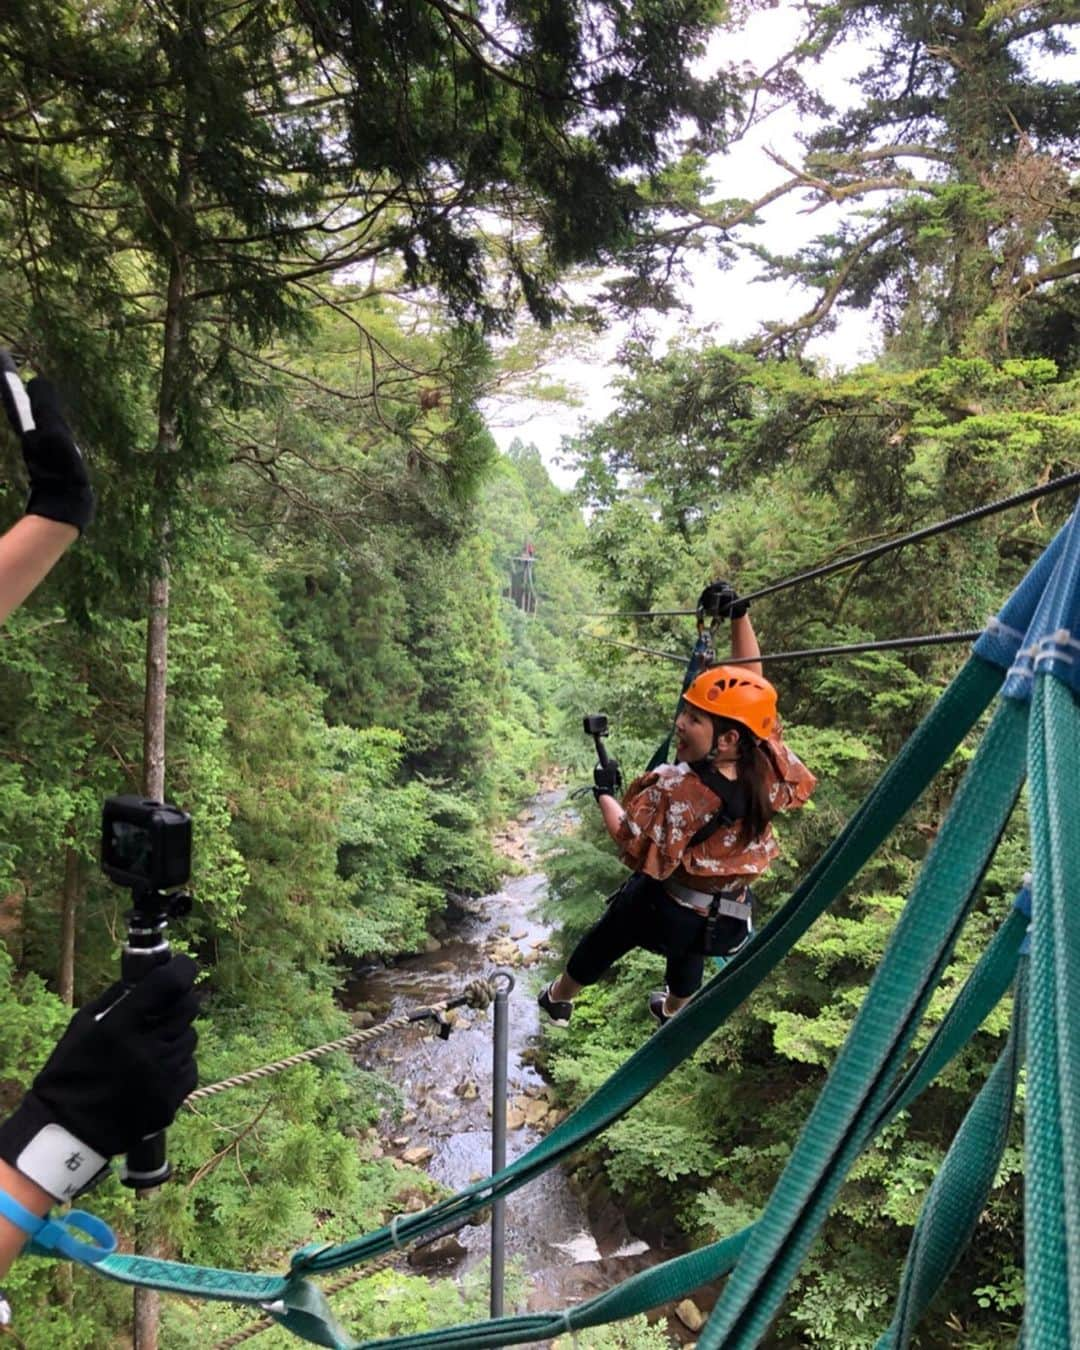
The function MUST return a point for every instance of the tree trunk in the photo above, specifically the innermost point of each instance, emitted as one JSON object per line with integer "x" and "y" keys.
{"x": 147, "y": 1302}
{"x": 63, "y": 1276}
{"x": 69, "y": 907}
{"x": 157, "y": 674}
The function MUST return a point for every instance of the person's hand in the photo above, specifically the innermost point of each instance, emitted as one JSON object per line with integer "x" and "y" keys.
{"x": 607, "y": 780}
{"x": 59, "y": 485}
{"x": 721, "y": 600}
{"x": 118, "y": 1074}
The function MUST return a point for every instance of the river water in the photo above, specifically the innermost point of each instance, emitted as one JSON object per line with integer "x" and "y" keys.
{"x": 567, "y": 1252}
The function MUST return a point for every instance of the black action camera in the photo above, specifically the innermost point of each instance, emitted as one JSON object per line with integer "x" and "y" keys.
{"x": 145, "y": 845}
{"x": 595, "y": 724}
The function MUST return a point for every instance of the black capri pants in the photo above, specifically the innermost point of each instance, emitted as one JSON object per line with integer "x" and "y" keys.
{"x": 642, "y": 914}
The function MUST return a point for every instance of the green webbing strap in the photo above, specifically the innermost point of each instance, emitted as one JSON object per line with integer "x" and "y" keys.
{"x": 1052, "y": 1125}
{"x": 961, "y": 1188}
{"x": 921, "y": 757}
{"x": 859, "y": 1084}
{"x": 982, "y": 991}
{"x": 681, "y": 1276}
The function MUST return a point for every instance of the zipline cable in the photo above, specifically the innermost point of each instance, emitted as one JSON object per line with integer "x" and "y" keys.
{"x": 866, "y": 554}
{"x": 884, "y": 644}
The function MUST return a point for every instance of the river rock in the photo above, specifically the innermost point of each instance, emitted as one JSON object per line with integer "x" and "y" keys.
{"x": 515, "y": 1118}
{"x": 690, "y": 1315}
{"x": 519, "y": 934}
{"x": 430, "y": 945}
{"x": 421, "y": 1154}
{"x": 444, "y": 967}
{"x": 467, "y": 1090}
{"x": 443, "y": 1251}
{"x": 504, "y": 953}
{"x": 362, "y": 1018}
{"x": 400, "y": 1141}
{"x": 535, "y": 1112}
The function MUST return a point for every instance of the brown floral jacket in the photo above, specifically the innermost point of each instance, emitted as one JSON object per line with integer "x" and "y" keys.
{"x": 665, "y": 809}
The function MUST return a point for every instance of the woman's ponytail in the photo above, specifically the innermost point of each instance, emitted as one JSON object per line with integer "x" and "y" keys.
{"x": 755, "y": 770}
{"x": 756, "y": 773}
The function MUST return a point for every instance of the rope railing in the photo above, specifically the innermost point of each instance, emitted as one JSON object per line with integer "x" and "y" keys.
{"x": 477, "y": 994}
{"x": 864, "y": 555}
{"x": 883, "y": 644}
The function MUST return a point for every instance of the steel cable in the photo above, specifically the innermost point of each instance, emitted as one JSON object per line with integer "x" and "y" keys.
{"x": 884, "y": 644}
{"x": 864, "y": 555}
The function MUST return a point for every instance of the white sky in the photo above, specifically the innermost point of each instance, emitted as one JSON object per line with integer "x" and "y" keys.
{"x": 728, "y": 304}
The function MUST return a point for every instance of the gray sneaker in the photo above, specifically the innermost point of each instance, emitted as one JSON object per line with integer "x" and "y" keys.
{"x": 559, "y": 1012}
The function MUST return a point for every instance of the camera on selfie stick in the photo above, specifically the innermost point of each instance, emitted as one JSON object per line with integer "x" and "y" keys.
{"x": 146, "y": 847}
{"x": 596, "y": 726}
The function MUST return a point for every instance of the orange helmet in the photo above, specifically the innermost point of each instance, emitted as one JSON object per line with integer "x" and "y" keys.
{"x": 732, "y": 691}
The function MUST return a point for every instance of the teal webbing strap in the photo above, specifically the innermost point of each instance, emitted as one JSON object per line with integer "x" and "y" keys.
{"x": 866, "y": 1066}
{"x": 233, "y": 1286}
{"x": 1052, "y": 1122}
{"x": 960, "y": 1190}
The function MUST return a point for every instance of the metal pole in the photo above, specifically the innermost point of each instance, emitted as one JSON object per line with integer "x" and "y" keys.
{"x": 500, "y": 1050}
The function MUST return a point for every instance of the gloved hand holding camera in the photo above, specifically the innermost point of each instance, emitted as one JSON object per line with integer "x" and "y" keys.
{"x": 59, "y": 485}
{"x": 118, "y": 1074}
{"x": 607, "y": 780}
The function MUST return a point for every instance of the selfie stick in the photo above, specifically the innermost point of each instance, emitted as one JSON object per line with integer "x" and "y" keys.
{"x": 147, "y": 947}
{"x": 596, "y": 725}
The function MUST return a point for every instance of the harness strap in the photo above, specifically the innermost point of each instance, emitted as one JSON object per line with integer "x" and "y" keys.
{"x": 715, "y": 782}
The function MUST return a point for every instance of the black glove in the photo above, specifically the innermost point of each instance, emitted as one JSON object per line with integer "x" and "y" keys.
{"x": 607, "y": 780}
{"x": 720, "y": 600}
{"x": 118, "y": 1074}
{"x": 59, "y": 486}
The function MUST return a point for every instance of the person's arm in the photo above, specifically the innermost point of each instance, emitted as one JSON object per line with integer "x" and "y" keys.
{"x": 744, "y": 642}
{"x": 61, "y": 503}
{"x": 28, "y": 552}
{"x": 31, "y": 1197}
{"x": 613, "y": 814}
{"x": 118, "y": 1074}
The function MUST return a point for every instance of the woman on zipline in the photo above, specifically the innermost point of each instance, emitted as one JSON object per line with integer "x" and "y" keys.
{"x": 694, "y": 832}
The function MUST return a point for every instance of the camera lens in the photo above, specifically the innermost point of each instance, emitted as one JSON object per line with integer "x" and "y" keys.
{"x": 130, "y": 848}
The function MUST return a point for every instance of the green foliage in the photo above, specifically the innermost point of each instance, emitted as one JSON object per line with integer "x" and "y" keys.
{"x": 637, "y": 1333}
